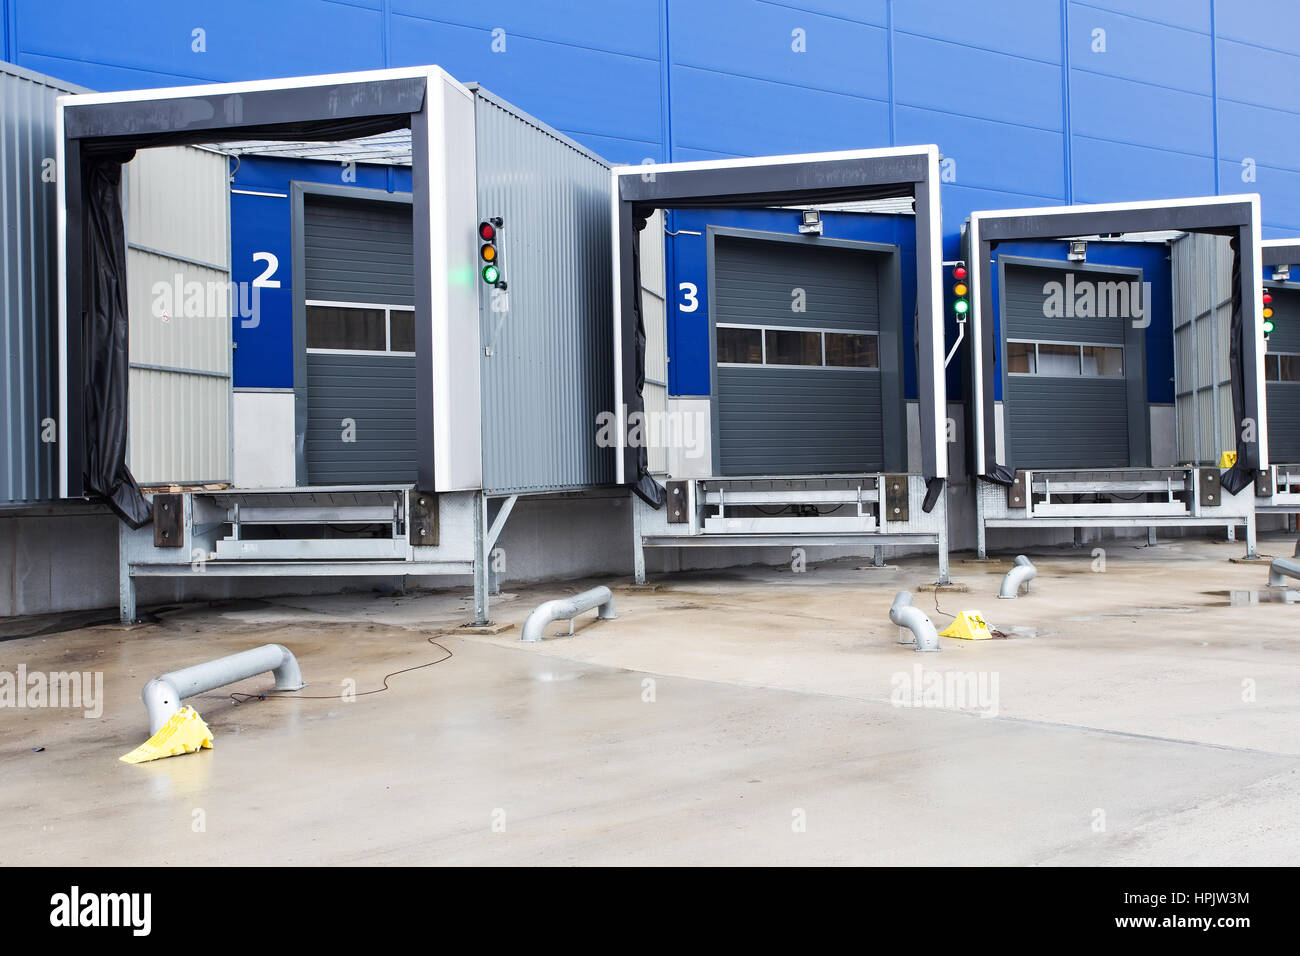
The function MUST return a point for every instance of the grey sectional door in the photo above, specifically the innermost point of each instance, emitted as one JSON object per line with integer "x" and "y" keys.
{"x": 360, "y": 364}
{"x": 1054, "y": 417}
{"x": 1284, "y": 396}
{"x": 778, "y": 417}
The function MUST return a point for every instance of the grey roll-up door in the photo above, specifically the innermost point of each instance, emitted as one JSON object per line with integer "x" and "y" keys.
{"x": 361, "y": 404}
{"x": 1064, "y": 421}
{"x": 801, "y": 420}
{"x": 1284, "y": 397}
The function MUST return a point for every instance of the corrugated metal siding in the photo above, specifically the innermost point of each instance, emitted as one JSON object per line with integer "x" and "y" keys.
{"x": 1067, "y": 422}
{"x": 1025, "y": 300}
{"x": 654, "y": 310}
{"x": 1056, "y": 422}
{"x": 378, "y": 393}
{"x": 546, "y": 372}
{"x": 754, "y": 280}
{"x": 357, "y": 251}
{"x": 1202, "y": 279}
{"x": 1284, "y": 397}
{"x": 783, "y": 421}
{"x": 29, "y": 290}
{"x": 176, "y": 205}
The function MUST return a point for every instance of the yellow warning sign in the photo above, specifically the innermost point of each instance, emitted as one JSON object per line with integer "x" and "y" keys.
{"x": 184, "y": 733}
{"x": 969, "y": 626}
{"x": 1227, "y": 459}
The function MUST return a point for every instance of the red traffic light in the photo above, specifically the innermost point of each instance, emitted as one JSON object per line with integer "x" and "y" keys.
{"x": 959, "y": 272}
{"x": 1267, "y": 298}
{"x": 487, "y": 232}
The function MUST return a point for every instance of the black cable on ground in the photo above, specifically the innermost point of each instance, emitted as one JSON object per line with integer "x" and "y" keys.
{"x": 941, "y": 610}
{"x": 243, "y": 698}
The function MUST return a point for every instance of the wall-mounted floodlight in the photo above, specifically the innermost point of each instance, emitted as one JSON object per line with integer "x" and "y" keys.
{"x": 810, "y": 222}
{"x": 1078, "y": 251}
{"x": 1282, "y": 273}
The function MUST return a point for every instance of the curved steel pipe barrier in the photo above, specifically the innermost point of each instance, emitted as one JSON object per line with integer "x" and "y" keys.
{"x": 905, "y": 614}
{"x": 1022, "y": 573}
{"x": 163, "y": 695}
{"x": 1281, "y": 569}
{"x": 600, "y": 598}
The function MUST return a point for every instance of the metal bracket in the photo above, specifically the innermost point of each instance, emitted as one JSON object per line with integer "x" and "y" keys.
{"x": 895, "y": 498}
{"x": 1018, "y": 491}
{"x": 1210, "y": 494}
{"x": 499, "y": 523}
{"x": 168, "y": 517}
{"x": 1264, "y": 483}
{"x": 422, "y": 522}
{"x": 678, "y": 503}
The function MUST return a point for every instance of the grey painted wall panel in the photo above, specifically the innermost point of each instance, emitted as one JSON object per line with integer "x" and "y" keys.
{"x": 1067, "y": 423}
{"x": 1202, "y": 278}
{"x": 1284, "y": 397}
{"x": 1024, "y": 301}
{"x": 1060, "y": 422}
{"x": 357, "y": 251}
{"x": 28, "y": 290}
{"x": 378, "y": 393}
{"x": 1284, "y": 422}
{"x": 545, "y": 370}
{"x": 798, "y": 421}
{"x": 755, "y": 282}
{"x": 177, "y": 202}
{"x": 777, "y": 421}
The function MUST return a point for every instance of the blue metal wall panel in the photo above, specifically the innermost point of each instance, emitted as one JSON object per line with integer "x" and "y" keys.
{"x": 629, "y": 27}
{"x": 147, "y": 43}
{"x": 1257, "y": 74}
{"x": 1139, "y": 49}
{"x": 1192, "y": 14}
{"x": 1031, "y": 163}
{"x": 851, "y": 122}
{"x": 1269, "y": 136}
{"x": 1118, "y": 172}
{"x": 829, "y": 54}
{"x": 576, "y": 89}
{"x": 968, "y": 81}
{"x": 1265, "y": 23}
{"x": 677, "y": 79}
{"x": 1026, "y": 28}
{"x": 1138, "y": 114}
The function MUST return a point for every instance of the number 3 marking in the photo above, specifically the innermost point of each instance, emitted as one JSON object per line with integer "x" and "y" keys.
{"x": 689, "y": 292}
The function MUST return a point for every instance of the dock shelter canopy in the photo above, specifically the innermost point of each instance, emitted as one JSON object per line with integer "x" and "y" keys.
{"x": 101, "y": 132}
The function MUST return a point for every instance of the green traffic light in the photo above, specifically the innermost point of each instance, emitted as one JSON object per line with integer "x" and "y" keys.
{"x": 960, "y": 307}
{"x": 1268, "y": 326}
{"x": 491, "y": 275}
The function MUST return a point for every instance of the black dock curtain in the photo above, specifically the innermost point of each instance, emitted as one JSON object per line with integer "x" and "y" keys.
{"x": 105, "y": 355}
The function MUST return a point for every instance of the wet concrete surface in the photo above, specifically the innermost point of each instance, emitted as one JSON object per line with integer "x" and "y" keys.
{"x": 1132, "y": 716}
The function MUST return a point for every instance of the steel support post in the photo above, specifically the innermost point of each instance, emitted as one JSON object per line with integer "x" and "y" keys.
{"x": 481, "y": 559}
{"x": 943, "y": 536}
{"x": 638, "y": 546}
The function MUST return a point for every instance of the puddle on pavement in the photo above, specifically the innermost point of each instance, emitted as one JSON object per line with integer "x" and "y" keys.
{"x": 1252, "y": 597}
{"x": 1136, "y": 612}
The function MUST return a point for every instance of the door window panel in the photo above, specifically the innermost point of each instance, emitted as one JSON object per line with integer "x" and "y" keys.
{"x": 740, "y": 346}
{"x": 852, "y": 350}
{"x": 793, "y": 348}
{"x": 338, "y": 327}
